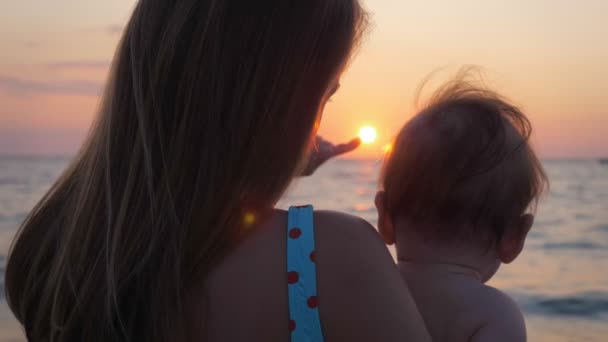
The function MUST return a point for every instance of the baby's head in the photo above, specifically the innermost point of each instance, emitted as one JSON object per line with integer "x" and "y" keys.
{"x": 462, "y": 173}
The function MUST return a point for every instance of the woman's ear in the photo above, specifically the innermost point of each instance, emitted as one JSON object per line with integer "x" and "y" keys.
{"x": 385, "y": 223}
{"x": 513, "y": 241}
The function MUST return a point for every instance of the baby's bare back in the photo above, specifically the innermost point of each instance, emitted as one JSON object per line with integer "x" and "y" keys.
{"x": 458, "y": 307}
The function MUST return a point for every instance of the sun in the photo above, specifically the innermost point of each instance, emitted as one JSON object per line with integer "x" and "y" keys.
{"x": 367, "y": 134}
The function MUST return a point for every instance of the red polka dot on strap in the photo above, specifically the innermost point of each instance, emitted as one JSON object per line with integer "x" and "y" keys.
{"x": 293, "y": 277}
{"x": 313, "y": 256}
{"x": 312, "y": 302}
{"x": 295, "y": 233}
{"x": 292, "y": 325}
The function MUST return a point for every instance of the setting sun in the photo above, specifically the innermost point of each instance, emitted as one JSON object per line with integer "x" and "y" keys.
{"x": 367, "y": 134}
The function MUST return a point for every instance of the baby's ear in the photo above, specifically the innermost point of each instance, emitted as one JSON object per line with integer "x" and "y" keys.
{"x": 514, "y": 239}
{"x": 385, "y": 224}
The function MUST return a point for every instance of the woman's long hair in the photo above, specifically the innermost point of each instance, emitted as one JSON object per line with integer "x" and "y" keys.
{"x": 207, "y": 113}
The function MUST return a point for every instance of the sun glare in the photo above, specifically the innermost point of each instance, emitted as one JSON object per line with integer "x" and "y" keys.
{"x": 367, "y": 134}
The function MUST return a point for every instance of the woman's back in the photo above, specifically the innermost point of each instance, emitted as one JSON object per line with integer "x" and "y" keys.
{"x": 210, "y": 111}
{"x": 360, "y": 293}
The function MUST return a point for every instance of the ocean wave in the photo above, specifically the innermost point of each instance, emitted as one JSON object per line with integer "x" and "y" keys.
{"x": 11, "y": 181}
{"x": 583, "y": 217}
{"x": 15, "y": 219}
{"x": 601, "y": 227}
{"x": 588, "y": 245}
{"x": 589, "y": 305}
{"x": 549, "y": 222}
{"x": 586, "y": 305}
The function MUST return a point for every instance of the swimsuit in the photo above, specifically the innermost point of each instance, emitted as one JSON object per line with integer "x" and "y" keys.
{"x": 304, "y": 322}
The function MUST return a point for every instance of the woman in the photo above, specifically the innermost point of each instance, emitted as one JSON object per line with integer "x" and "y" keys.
{"x": 162, "y": 229}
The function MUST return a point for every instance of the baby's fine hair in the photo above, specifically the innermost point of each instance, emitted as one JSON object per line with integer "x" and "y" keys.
{"x": 464, "y": 163}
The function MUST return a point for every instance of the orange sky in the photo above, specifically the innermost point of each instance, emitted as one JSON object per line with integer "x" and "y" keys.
{"x": 549, "y": 56}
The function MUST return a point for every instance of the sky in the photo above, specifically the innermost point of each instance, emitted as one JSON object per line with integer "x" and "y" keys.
{"x": 548, "y": 56}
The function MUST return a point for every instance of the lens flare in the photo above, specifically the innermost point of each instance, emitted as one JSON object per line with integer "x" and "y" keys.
{"x": 249, "y": 219}
{"x": 388, "y": 148}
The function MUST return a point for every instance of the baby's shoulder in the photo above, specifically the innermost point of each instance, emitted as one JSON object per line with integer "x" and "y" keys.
{"x": 502, "y": 317}
{"x": 493, "y": 301}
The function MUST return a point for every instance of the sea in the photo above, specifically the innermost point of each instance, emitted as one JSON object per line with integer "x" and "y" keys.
{"x": 560, "y": 281}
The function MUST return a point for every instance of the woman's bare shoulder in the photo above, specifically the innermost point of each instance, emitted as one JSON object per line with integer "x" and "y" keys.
{"x": 353, "y": 240}
{"x": 347, "y": 227}
{"x": 333, "y": 226}
{"x": 363, "y": 297}
{"x": 352, "y": 248}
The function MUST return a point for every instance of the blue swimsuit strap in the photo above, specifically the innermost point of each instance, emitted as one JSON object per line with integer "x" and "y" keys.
{"x": 304, "y": 322}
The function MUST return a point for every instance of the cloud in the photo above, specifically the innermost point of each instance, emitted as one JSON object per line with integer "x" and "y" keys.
{"x": 84, "y": 64}
{"x": 32, "y": 44}
{"x": 27, "y": 87}
{"x": 114, "y": 29}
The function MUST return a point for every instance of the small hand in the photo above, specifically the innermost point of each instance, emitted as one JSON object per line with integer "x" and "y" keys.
{"x": 325, "y": 150}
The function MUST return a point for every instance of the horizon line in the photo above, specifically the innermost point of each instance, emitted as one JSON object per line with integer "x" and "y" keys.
{"x": 344, "y": 158}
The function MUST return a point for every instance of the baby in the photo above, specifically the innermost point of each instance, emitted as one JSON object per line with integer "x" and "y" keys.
{"x": 456, "y": 190}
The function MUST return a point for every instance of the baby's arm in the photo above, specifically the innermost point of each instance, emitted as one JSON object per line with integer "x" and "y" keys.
{"x": 504, "y": 322}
